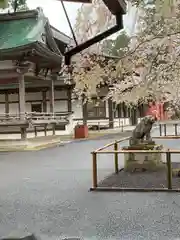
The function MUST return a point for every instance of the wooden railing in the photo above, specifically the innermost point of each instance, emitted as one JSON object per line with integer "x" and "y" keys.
{"x": 9, "y": 117}
{"x": 35, "y": 116}
{"x": 163, "y": 128}
{"x": 116, "y": 151}
{"x": 59, "y": 116}
{"x": 98, "y": 125}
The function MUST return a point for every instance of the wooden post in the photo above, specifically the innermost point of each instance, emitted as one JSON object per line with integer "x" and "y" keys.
{"x": 22, "y": 104}
{"x": 44, "y": 103}
{"x": 165, "y": 132}
{"x": 169, "y": 170}
{"x": 23, "y": 133}
{"x": 54, "y": 129}
{"x": 45, "y": 129}
{"x": 116, "y": 158}
{"x": 69, "y": 95}
{"x": 94, "y": 158}
{"x": 134, "y": 118}
{"x": 160, "y": 129}
{"x": 6, "y": 104}
{"x": 111, "y": 113}
{"x": 175, "y": 129}
{"x": 51, "y": 97}
{"x": 84, "y": 112}
{"x": 35, "y": 131}
{"x": 122, "y": 126}
{"x": 22, "y": 107}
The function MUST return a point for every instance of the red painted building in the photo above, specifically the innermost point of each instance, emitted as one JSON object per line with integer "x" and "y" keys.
{"x": 157, "y": 109}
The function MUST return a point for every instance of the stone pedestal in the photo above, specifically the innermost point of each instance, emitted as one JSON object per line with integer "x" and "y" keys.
{"x": 146, "y": 161}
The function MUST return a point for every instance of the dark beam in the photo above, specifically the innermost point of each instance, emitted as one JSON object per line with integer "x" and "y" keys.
{"x": 44, "y": 102}
{"x": 6, "y": 102}
{"x": 116, "y": 6}
{"x": 96, "y": 39}
{"x": 69, "y": 102}
{"x": 84, "y": 111}
{"x": 111, "y": 113}
{"x": 78, "y": 1}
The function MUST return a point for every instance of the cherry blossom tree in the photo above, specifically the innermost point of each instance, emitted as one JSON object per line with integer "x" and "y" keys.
{"x": 92, "y": 19}
{"x": 14, "y": 6}
{"x": 18, "y": 5}
{"x": 155, "y": 55}
{"x": 150, "y": 65}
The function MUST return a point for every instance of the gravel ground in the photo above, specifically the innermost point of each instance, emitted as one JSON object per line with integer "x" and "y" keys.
{"x": 146, "y": 179}
{"x": 141, "y": 179}
{"x": 46, "y": 193}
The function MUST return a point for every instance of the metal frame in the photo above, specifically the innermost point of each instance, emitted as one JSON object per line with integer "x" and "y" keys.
{"x": 117, "y": 7}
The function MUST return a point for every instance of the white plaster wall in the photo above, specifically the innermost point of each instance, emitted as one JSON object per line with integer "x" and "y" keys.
{"x": 107, "y": 109}
{"x": 13, "y": 97}
{"x": 60, "y": 106}
{"x": 33, "y": 96}
{"x": 6, "y": 64}
{"x": 118, "y": 123}
{"x": 28, "y": 107}
{"x": 2, "y": 97}
{"x": 48, "y": 106}
{"x": 60, "y": 94}
{"x": 2, "y": 108}
{"x": 14, "y": 108}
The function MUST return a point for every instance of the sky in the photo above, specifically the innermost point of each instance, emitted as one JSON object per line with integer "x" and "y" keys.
{"x": 53, "y": 10}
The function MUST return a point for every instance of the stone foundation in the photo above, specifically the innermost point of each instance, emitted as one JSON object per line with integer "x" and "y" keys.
{"x": 143, "y": 161}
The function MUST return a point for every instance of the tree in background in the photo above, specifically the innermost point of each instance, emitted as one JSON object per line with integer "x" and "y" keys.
{"x": 91, "y": 20}
{"x": 116, "y": 47}
{"x": 18, "y": 5}
{"x": 154, "y": 55}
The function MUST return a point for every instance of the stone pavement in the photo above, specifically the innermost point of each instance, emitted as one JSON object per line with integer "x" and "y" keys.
{"x": 46, "y": 192}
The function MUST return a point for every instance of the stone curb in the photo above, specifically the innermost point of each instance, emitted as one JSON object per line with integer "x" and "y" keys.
{"x": 56, "y": 143}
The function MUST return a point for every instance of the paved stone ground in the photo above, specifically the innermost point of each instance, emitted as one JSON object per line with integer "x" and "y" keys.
{"x": 46, "y": 192}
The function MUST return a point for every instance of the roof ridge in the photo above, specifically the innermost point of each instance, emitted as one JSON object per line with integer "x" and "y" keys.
{"x": 21, "y": 15}
{"x": 60, "y": 31}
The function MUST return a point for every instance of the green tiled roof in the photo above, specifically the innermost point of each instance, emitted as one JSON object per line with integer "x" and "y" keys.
{"x": 28, "y": 35}
{"x": 20, "y": 32}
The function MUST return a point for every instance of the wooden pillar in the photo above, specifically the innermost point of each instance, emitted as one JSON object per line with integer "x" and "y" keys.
{"x": 134, "y": 117}
{"x": 6, "y": 103}
{"x": 51, "y": 97}
{"x": 111, "y": 113}
{"x": 51, "y": 101}
{"x": 22, "y": 104}
{"x": 69, "y": 95}
{"x": 84, "y": 112}
{"x": 44, "y": 103}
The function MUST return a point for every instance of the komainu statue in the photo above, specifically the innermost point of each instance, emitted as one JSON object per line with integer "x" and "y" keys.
{"x": 142, "y": 131}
